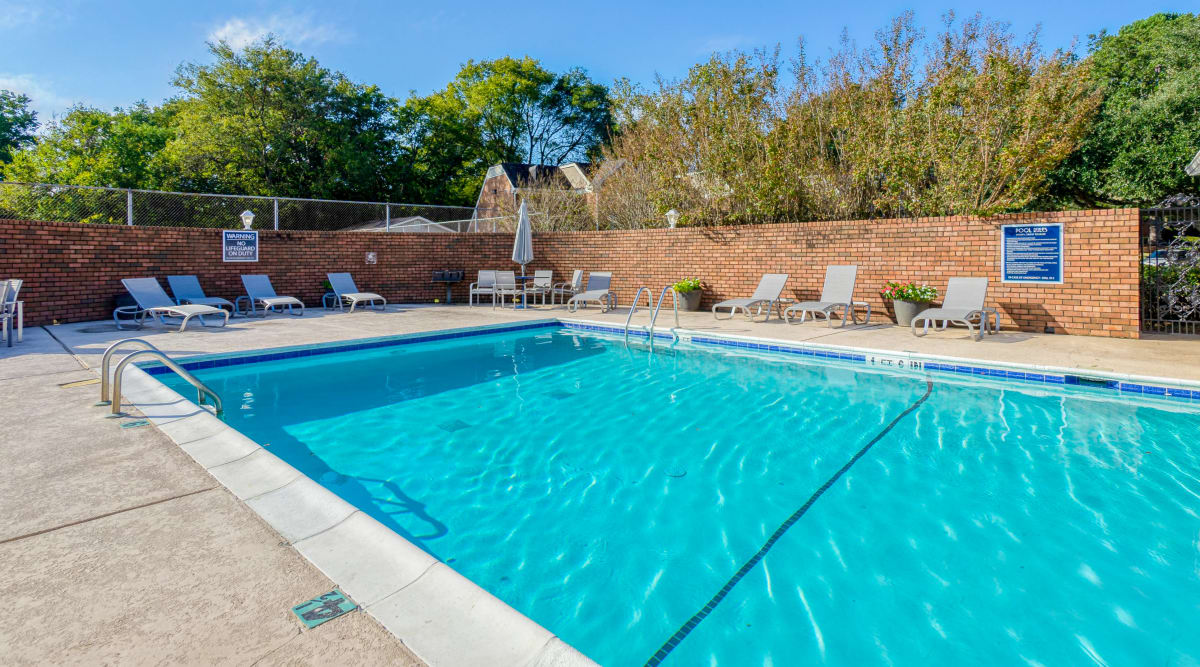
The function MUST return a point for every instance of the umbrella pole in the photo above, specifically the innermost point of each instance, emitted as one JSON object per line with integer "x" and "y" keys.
{"x": 523, "y": 306}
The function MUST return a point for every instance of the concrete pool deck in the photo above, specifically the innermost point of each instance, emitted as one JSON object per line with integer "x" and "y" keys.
{"x": 115, "y": 546}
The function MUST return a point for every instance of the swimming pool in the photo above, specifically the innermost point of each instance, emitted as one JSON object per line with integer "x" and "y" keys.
{"x": 694, "y": 504}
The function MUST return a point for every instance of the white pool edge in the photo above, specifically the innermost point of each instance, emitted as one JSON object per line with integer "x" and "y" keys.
{"x": 443, "y": 617}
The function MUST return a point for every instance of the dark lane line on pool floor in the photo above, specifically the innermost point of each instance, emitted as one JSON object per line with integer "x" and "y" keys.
{"x": 686, "y": 629}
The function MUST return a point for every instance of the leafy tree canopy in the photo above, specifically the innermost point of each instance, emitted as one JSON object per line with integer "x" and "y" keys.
{"x": 504, "y": 110}
{"x": 17, "y": 124}
{"x": 268, "y": 121}
{"x": 969, "y": 122}
{"x": 1148, "y": 126}
{"x": 93, "y": 147}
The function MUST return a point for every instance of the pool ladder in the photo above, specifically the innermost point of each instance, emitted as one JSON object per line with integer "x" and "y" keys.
{"x": 654, "y": 310}
{"x": 148, "y": 350}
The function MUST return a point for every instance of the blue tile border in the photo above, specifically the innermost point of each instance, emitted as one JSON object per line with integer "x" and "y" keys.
{"x": 154, "y": 368}
{"x": 1000, "y": 374}
{"x": 785, "y": 349}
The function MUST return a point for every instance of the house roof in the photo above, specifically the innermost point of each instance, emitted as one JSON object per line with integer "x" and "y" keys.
{"x": 521, "y": 174}
{"x": 570, "y": 176}
{"x": 578, "y": 173}
{"x": 408, "y": 223}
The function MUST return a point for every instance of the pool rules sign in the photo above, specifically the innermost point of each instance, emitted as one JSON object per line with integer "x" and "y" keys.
{"x": 239, "y": 245}
{"x": 1032, "y": 253}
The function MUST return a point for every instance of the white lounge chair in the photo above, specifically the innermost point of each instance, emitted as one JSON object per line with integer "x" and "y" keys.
{"x": 964, "y": 302}
{"x": 770, "y": 286}
{"x": 598, "y": 283}
{"x": 259, "y": 292}
{"x": 567, "y": 290}
{"x": 152, "y": 300}
{"x": 343, "y": 286}
{"x": 484, "y": 285}
{"x": 5, "y": 316}
{"x": 506, "y": 285}
{"x": 186, "y": 289}
{"x": 12, "y": 309}
{"x": 543, "y": 282}
{"x": 836, "y": 294}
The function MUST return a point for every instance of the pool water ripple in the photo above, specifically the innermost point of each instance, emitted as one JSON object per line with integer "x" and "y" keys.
{"x": 974, "y": 534}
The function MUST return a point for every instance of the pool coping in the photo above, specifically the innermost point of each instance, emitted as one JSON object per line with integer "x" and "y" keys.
{"x": 439, "y": 614}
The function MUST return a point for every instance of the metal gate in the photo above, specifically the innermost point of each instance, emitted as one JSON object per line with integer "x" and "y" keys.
{"x": 1170, "y": 269}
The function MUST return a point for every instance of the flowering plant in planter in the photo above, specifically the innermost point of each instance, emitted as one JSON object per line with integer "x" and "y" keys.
{"x": 908, "y": 299}
{"x": 911, "y": 292}
{"x": 689, "y": 291}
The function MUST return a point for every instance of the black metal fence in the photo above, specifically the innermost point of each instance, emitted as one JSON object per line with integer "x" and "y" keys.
{"x": 1170, "y": 268}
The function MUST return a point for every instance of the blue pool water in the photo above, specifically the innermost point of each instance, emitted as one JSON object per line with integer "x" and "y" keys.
{"x": 611, "y": 493}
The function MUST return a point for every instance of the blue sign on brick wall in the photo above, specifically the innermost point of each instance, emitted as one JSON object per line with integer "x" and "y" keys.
{"x": 1032, "y": 253}
{"x": 239, "y": 245}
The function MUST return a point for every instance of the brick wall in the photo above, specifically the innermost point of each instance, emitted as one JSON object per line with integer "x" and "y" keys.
{"x": 73, "y": 271}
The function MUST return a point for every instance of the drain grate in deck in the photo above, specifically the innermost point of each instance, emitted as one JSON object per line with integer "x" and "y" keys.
{"x": 323, "y": 608}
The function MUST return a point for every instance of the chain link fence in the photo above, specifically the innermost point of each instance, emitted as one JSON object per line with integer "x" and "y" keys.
{"x": 114, "y": 206}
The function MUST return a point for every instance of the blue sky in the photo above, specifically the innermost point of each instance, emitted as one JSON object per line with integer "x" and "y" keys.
{"x": 108, "y": 54}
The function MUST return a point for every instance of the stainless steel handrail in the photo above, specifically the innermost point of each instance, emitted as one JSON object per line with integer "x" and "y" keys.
{"x": 654, "y": 316}
{"x": 633, "y": 307}
{"x": 201, "y": 388}
{"x": 107, "y": 360}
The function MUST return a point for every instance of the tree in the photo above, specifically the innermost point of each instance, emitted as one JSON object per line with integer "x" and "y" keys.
{"x": 17, "y": 124}
{"x": 1148, "y": 125}
{"x": 504, "y": 110}
{"x": 974, "y": 130}
{"x": 93, "y": 147}
{"x": 268, "y": 121}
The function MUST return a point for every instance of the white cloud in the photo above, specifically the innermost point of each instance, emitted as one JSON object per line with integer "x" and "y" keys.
{"x": 293, "y": 28}
{"x": 14, "y": 14}
{"x": 42, "y": 98}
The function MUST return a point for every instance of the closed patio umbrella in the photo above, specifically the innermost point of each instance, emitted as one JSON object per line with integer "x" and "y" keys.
{"x": 523, "y": 243}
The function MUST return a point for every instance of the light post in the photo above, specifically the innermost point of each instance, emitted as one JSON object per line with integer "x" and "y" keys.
{"x": 247, "y": 219}
{"x": 672, "y": 218}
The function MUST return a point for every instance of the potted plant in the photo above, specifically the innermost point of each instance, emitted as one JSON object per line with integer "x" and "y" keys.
{"x": 689, "y": 290}
{"x": 908, "y": 300}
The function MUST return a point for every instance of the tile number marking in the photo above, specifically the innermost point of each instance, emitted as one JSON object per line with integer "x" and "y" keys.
{"x": 899, "y": 363}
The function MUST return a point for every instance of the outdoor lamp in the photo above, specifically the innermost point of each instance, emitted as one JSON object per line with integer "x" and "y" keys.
{"x": 672, "y": 218}
{"x": 247, "y": 219}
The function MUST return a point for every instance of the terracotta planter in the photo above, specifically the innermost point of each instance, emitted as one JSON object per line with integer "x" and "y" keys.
{"x": 690, "y": 300}
{"x": 907, "y": 310}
